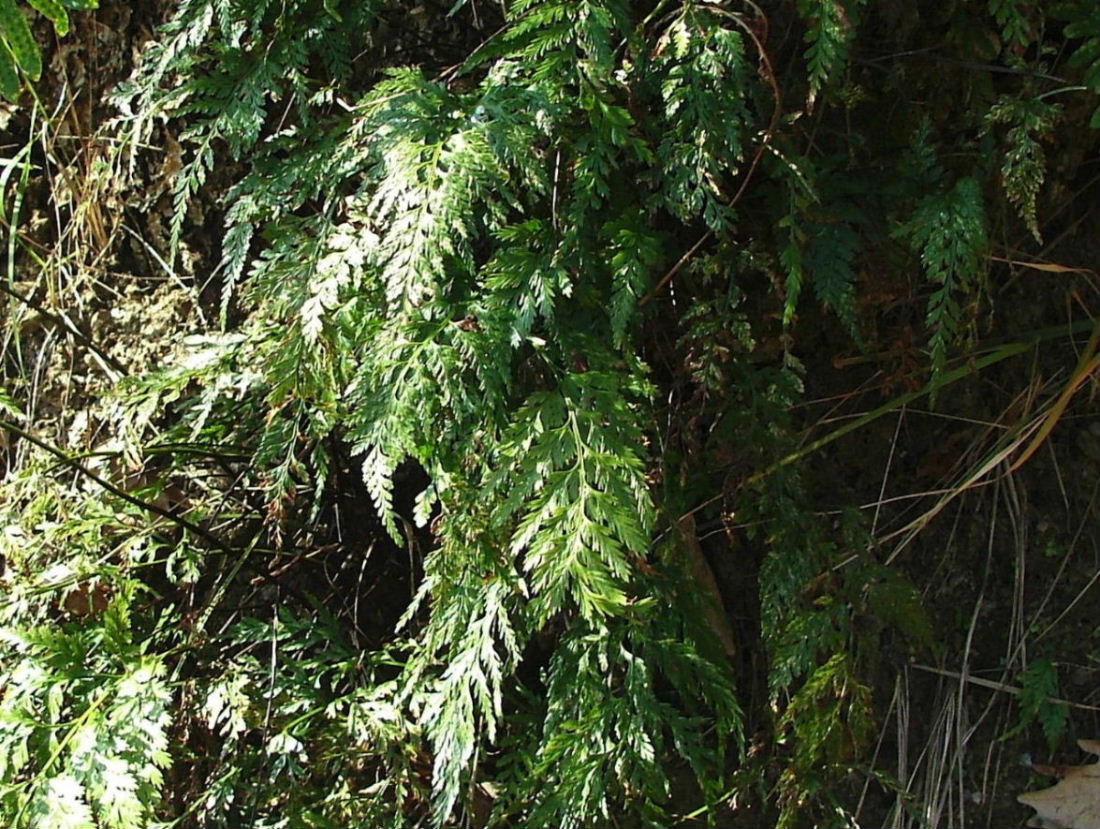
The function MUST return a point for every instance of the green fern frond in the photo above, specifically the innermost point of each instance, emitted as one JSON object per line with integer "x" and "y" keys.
{"x": 948, "y": 230}
{"x": 1012, "y": 16}
{"x": 1038, "y": 692}
{"x": 1024, "y": 165}
{"x": 830, "y": 24}
{"x": 575, "y": 480}
{"x": 831, "y": 721}
{"x": 104, "y": 767}
{"x": 703, "y": 76}
{"x": 830, "y": 259}
{"x": 1082, "y": 26}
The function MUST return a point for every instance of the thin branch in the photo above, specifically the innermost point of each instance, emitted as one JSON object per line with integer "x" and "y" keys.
{"x": 999, "y": 686}
{"x": 69, "y": 327}
{"x": 147, "y": 506}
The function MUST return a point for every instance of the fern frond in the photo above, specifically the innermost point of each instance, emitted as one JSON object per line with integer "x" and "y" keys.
{"x": 703, "y": 76}
{"x": 1024, "y": 165}
{"x": 1012, "y": 17}
{"x": 831, "y": 259}
{"x": 575, "y": 479}
{"x": 948, "y": 230}
{"x": 1082, "y": 24}
{"x": 830, "y": 24}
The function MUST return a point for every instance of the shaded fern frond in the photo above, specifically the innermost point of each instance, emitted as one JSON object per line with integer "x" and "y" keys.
{"x": 1023, "y": 167}
{"x": 704, "y": 77}
{"x": 830, "y": 25}
{"x": 948, "y": 231}
{"x": 1082, "y": 19}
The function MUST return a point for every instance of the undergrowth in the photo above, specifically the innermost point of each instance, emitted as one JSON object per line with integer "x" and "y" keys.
{"x": 381, "y": 519}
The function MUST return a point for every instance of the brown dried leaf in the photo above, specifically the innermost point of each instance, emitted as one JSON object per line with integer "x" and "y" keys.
{"x": 1074, "y": 803}
{"x": 87, "y": 600}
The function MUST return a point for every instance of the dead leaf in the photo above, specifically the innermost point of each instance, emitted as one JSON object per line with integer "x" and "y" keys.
{"x": 1074, "y": 803}
{"x": 1049, "y": 267}
{"x": 87, "y": 600}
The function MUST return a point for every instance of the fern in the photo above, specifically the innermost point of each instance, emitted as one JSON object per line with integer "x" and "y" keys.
{"x": 831, "y": 717}
{"x": 830, "y": 24}
{"x": 825, "y": 255}
{"x": 486, "y": 272}
{"x": 1011, "y": 16}
{"x": 704, "y": 59}
{"x": 1039, "y": 687}
{"x": 831, "y": 259}
{"x": 1082, "y": 22}
{"x": 476, "y": 638}
{"x": 104, "y": 768}
{"x": 231, "y": 73}
{"x": 634, "y": 253}
{"x": 569, "y": 480}
{"x": 823, "y": 241}
{"x": 606, "y": 723}
{"x": 1024, "y": 166}
{"x": 948, "y": 230}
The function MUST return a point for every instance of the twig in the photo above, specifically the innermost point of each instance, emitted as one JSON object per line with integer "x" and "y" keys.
{"x": 107, "y": 485}
{"x": 69, "y": 327}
